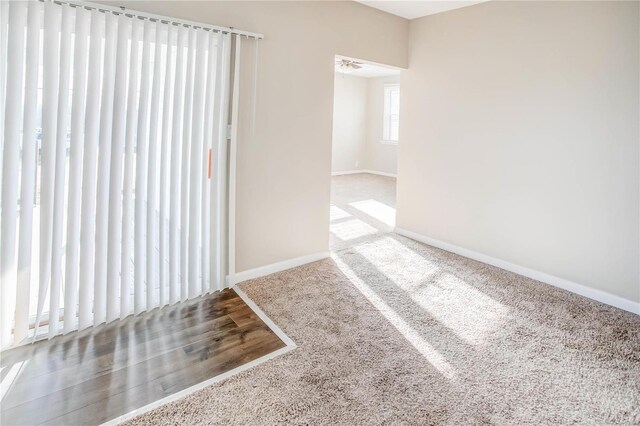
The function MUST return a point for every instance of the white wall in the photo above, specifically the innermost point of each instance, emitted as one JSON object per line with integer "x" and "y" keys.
{"x": 380, "y": 157}
{"x": 283, "y": 163}
{"x": 520, "y": 137}
{"x": 349, "y": 123}
{"x": 358, "y": 114}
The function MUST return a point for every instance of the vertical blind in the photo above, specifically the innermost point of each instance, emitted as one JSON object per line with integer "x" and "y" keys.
{"x": 113, "y": 150}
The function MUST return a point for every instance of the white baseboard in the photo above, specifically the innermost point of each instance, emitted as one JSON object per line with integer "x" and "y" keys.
{"x": 347, "y": 172}
{"x": 276, "y": 267}
{"x": 373, "y": 172}
{"x": 582, "y": 290}
{"x": 265, "y": 319}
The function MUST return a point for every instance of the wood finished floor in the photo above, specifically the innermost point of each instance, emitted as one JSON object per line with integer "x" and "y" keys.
{"x": 92, "y": 377}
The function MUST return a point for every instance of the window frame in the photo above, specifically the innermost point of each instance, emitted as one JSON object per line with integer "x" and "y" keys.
{"x": 388, "y": 89}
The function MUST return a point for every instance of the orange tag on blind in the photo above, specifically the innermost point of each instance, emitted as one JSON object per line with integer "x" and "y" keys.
{"x": 209, "y": 166}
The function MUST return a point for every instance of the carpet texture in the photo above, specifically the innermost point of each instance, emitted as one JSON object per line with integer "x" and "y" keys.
{"x": 391, "y": 331}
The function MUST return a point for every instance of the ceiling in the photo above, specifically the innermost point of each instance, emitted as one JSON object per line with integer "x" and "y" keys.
{"x": 411, "y": 9}
{"x": 371, "y": 70}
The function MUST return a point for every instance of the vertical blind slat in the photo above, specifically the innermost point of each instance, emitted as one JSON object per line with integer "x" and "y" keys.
{"x": 141, "y": 176}
{"x": 153, "y": 171}
{"x": 184, "y": 175}
{"x": 104, "y": 162}
{"x": 116, "y": 172}
{"x": 27, "y": 188}
{"x": 11, "y": 155}
{"x": 196, "y": 166}
{"x": 4, "y": 29}
{"x": 214, "y": 261}
{"x": 174, "y": 207}
{"x": 220, "y": 232}
{"x": 127, "y": 196}
{"x": 60, "y": 174}
{"x": 206, "y": 149}
{"x": 89, "y": 173}
{"x": 49, "y": 122}
{"x": 75, "y": 168}
{"x": 231, "y": 235}
{"x": 164, "y": 170}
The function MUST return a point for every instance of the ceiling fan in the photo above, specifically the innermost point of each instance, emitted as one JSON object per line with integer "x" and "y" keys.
{"x": 347, "y": 65}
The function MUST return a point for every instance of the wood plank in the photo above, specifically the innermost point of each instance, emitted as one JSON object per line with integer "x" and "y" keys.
{"x": 244, "y": 316}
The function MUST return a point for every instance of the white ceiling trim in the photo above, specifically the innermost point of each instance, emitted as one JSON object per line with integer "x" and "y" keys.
{"x": 411, "y": 9}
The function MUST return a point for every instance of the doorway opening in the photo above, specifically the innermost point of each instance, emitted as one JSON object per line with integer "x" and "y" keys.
{"x": 366, "y": 117}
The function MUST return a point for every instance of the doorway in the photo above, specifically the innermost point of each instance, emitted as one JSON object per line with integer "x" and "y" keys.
{"x": 366, "y": 117}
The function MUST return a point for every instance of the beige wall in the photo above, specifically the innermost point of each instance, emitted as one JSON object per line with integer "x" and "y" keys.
{"x": 349, "y": 123}
{"x": 283, "y": 166}
{"x": 380, "y": 157}
{"x": 520, "y": 137}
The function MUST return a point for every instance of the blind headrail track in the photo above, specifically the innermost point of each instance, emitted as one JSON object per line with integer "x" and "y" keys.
{"x": 156, "y": 18}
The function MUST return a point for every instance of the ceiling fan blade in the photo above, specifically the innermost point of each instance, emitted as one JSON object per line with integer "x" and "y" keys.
{"x": 355, "y": 66}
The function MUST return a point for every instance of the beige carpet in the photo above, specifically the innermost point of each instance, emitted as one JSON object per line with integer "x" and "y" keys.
{"x": 391, "y": 331}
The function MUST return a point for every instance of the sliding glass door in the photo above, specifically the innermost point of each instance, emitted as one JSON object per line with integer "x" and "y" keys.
{"x": 114, "y": 158}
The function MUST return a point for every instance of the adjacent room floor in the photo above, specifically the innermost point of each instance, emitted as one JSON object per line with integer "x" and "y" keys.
{"x": 90, "y": 377}
{"x": 390, "y": 330}
{"x": 363, "y": 207}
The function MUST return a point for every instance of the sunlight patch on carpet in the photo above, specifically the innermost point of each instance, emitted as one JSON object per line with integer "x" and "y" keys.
{"x": 351, "y": 229}
{"x": 377, "y": 210}
{"x": 466, "y": 311}
{"x": 417, "y": 341}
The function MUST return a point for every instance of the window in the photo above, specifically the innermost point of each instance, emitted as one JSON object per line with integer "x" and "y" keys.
{"x": 391, "y": 113}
